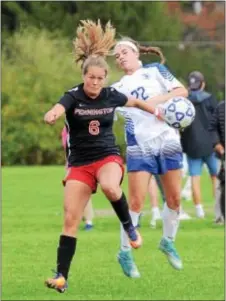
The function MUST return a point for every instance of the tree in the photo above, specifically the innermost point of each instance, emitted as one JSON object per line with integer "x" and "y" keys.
{"x": 144, "y": 21}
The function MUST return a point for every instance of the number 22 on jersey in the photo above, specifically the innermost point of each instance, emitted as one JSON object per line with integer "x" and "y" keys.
{"x": 140, "y": 93}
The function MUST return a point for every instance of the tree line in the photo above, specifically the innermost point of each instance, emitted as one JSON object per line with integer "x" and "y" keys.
{"x": 37, "y": 65}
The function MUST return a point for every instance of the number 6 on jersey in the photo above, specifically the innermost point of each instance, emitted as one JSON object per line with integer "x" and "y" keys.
{"x": 94, "y": 127}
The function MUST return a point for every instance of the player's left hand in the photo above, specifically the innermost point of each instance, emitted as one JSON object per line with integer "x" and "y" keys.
{"x": 160, "y": 113}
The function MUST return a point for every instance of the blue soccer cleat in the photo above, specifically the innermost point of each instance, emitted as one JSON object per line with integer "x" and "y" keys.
{"x": 88, "y": 227}
{"x": 168, "y": 248}
{"x": 128, "y": 265}
{"x": 134, "y": 236}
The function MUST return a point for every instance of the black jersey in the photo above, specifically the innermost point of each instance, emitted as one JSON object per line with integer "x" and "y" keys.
{"x": 89, "y": 123}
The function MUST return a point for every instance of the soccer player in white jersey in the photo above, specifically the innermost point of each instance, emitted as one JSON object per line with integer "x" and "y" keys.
{"x": 153, "y": 147}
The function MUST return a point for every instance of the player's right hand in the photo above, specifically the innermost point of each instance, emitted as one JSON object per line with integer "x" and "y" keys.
{"x": 219, "y": 148}
{"x": 50, "y": 117}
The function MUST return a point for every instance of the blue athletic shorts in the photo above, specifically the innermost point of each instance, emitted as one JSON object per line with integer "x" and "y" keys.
{"x": 195, "y": 165}
{"x": 156, "y": 156}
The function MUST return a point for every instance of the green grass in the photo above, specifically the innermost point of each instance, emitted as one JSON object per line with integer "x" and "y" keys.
{"x": 31, "y": 224}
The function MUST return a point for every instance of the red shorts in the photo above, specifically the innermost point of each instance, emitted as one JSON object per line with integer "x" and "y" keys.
{"x": 87, "y": 173}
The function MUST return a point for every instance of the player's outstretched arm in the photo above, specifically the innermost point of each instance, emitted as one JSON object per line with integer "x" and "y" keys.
{"x": 137, "y": 103}
{"x": 156, "y": 100}
{"x": 52, "y": 115}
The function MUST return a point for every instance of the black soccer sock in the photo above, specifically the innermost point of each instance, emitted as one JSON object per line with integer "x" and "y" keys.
{"x": 121, "y": 208}
{"x": 65, "y": 253}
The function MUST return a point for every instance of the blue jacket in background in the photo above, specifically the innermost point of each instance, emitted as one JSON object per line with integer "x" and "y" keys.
{"x": 195, "y": 139}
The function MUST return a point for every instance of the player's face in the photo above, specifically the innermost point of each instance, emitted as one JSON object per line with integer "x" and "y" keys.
{"x": 126, "y": 58}
{"x": 94, "y": 81}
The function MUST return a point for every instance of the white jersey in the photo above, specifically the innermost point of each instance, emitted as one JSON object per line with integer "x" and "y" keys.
{"x": 148, "y": 81}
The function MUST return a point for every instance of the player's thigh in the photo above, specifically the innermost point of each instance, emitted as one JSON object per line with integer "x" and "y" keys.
{"x": 109, "y": 174}
{"x": 109, "y": 177}
{"x": 76, "y": 196}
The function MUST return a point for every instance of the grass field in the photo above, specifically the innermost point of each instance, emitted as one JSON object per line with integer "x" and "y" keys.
{"x": 31, "y": 224}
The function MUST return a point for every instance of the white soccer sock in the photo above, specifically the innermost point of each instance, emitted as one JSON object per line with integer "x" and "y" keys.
{"x": 88, "y": 222}
{"x": 199, "y": 210}
{"x": 170, "y": 222}
{"x": 135, "y": 217}
{"x": 125, "y": 245}
{"x": 155, "y": 210}
{"x": 156, "y": 214}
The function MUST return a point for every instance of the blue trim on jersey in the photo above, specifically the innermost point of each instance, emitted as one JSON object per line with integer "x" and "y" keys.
{"x": 162, "y": 69}
{"x": 151, "y": 65}
{"x": 159, "y": 164}
{"x": 130, "y": 134}
{"x": 131, "y": 139}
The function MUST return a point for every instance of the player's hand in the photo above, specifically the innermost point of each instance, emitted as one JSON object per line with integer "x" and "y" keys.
{"x": 160, "y": 113}
{"x": 219, "y": 148}
{"x": 50, "y": 117}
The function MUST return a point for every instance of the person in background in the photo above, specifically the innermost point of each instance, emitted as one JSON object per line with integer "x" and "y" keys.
{"x": 186, "y": 193}
{"x": 196, "y": 141}
{"x": 154, "y": 188}
{"x": 154, "y": 202}
{"x": 217, "y": 131}
{"x": 88, "y": 211}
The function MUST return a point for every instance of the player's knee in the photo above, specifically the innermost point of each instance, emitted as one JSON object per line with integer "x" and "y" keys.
{"x": 70, "y": 220}
{"x": 173, "y": 201}
{"x": 136, "y": 203}
{"x": 112, "y": 192}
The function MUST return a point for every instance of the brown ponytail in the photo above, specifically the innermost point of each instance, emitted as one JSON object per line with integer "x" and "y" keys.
{"x": 92, "y": 44}
{"x": 146, "y": 49}
{"x": 155, "y": 50}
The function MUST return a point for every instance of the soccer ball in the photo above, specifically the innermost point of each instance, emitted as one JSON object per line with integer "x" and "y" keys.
{"x": 179, "y": 112}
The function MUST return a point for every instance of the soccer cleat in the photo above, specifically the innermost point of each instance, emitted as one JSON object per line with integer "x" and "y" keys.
{"x": 186, "y": 195}
{"x": 184, "y": 216}
{"x": 153, "y": 223}
{"x": 134, "y": 236}
{"x": 88, "y": 227}
{"x": 219, "y": 221}
{"x": 58, "y": 283}
{"x": 127, "y": 263}
{"x": 200, "y": 212}
{"x": 168, "y": 248}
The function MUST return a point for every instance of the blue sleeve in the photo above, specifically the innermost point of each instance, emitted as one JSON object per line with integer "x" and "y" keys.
{"x": 163, "y": 70}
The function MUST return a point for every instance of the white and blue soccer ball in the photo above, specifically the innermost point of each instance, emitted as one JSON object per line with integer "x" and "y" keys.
{"x": 179, "y": 112}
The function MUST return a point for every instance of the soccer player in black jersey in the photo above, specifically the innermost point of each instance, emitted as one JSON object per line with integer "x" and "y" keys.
{"x": 93, "y": 155}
